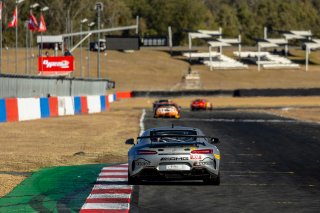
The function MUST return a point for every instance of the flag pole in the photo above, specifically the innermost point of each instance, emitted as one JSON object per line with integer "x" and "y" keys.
{"x": 42, "y": 24}
{"x": 16, "y": 50}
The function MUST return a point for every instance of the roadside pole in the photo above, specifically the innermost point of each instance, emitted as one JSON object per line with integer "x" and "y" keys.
{"x": 99, "y": 8}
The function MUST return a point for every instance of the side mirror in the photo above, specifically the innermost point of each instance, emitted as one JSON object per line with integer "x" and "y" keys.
{"x": 130, "y": 141}
{"x": 214, "y": 140}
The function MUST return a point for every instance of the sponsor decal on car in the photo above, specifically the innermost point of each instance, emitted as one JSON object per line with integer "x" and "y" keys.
{"x": 205, "y": 162}
{"x": 142, "y": 162}
{"x": 174, "y": 158}
{"x": 195, "y": 157}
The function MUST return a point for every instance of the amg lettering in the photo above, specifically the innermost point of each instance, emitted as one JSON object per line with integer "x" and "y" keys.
{"x": 174, "y": 158}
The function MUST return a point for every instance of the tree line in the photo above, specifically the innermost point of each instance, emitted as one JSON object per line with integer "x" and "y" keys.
{"x": 245, "y": 17}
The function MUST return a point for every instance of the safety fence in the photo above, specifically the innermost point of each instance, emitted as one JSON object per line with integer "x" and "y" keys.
{"x": 39, "y": 86}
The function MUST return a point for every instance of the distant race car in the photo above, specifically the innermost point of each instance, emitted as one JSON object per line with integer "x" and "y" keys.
{"x": 167, "y": 110}
{"x": 201, "y": 104}
{"x": 159, "y": 102}
{"x": 174, "y": 153}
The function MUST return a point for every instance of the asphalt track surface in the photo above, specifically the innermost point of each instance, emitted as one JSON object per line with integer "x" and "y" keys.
{"x": 269, "y": 164}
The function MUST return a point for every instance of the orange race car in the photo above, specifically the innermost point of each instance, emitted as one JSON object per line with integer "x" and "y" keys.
{"x": 201, "y": 104}
{"x": 167, "y": 110}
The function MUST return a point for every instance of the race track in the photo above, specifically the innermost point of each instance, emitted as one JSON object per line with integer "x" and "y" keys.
{"x": 269, "y": 164}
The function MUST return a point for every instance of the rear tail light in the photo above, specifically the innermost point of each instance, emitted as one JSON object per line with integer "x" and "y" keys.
{"x": 146, "y": 152}
{"x": 202, "y": 151}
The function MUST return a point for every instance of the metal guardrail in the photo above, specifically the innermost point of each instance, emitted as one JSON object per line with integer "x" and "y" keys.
{"x": 40, "y": 86}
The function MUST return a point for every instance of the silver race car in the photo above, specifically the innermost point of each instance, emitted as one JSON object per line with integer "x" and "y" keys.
{"x": 174, "y": 153}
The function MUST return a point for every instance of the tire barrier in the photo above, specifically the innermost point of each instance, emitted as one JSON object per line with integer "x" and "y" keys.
{"x": 276, "y": 92}
{"x": 182, "y": 93}
{"x": 230, "y": 93}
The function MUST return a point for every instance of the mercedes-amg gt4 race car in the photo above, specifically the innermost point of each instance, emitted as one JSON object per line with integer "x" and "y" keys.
{"x": 166, "y": 153}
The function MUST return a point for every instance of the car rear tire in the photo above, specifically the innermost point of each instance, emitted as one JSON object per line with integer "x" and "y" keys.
{"x": 213, "y": 180}
{"x": 133, "y": 180}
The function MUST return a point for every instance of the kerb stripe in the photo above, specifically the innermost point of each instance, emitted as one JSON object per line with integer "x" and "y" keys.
{"x": 112, "y": 194}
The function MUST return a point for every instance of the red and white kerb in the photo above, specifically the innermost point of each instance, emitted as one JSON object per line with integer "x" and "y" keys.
{"x": 108, "y": 196}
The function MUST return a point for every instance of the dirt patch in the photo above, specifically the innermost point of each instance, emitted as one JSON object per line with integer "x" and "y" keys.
{"x": 155, "y": 69}
{"x": 8, "y": 182}
{"x": 312, "y": 114}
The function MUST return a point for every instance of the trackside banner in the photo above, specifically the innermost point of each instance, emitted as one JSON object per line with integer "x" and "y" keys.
{"x": 56, "y": 64}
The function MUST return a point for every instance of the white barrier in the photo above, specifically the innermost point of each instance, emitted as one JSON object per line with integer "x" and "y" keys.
{"x": 65, "y": 106}
{"x": 29, "y": 109}
{"x": 111, "y": 98}
{"x": 94, "y": 104}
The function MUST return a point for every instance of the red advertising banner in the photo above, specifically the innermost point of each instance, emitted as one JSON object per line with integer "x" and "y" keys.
{"x": 56, "y": 65}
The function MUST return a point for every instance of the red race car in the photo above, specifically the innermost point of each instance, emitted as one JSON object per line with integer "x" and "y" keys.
{"x": 201, "y": 104}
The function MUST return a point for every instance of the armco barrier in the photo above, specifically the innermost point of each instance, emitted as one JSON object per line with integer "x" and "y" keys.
{"x": 103, "y": 103}
{"x": 182, "y": 93}
{"x": 29, "y": 109}
{"x": 44, "y": 107}
{"x": 111, "y": 98}
{"x": 276, "y": 92}
{"x": 3, "y": 114}
{"x": 65, "y": 106}
{"x": 53, "y": 106}
{"x": 22, "y": 109}
{"x": 107, "y": 102}
{"x": 12, "y": 109}
{"x": 94, "y": 104}
{"x": 230, "y": 93}
{"x": 84, "y": 105}
{"x": 122, "y": 95}
{"x": 77, "y": 105}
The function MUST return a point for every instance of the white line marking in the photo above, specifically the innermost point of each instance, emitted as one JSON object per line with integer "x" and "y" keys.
{"x": 112, "y": 179}
{"x": 102, "y": 186}
{"x": 106, "y": 206}
{"x": 115, "y": 168}
{"x": 95, "y": 196}
{"x": 112, "y": 173}
{"x": 141, "y": 121}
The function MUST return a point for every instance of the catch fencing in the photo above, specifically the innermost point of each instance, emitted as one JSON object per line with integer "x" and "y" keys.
{"x": 40, "y": 86}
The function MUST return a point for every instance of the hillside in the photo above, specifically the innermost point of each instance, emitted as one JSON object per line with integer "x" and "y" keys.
{"x": 155, "y": 69}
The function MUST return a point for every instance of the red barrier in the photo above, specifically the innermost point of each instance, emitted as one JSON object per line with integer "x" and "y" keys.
{"x": 107, "y": 102}
{"x": 12, "y": 109}
{"x": 53, "y": 106}
{"x": 121, "y": 95}
{"x": 84, "y": 104}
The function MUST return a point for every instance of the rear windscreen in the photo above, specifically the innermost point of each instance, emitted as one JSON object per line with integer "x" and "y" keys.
{"x": 170, "y": 138}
